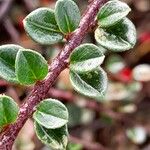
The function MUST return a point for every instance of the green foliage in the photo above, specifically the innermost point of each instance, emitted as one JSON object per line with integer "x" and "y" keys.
{"x": 20, "y": 65}
{"x": 73, "y": 146}
{"x": 30, "y": 66}
{"x": 67, "y": 15}
{"x": 115, "y": 32}
{"x": 119, "y": 37}
{"x": 42, "y": 27}
{"x": 92, "y": 84}
{"x": 8, "y": 110}
{"x": 51, "y": 119}
{"x": 85, "y": 58}
{"x": 54, "y": 138}
{"x": 45, "y": 26}
{"x": 7, "y": 62}
{"x": 51, "y": 114}
{"x": 85, "y": 74}
{"x": 112, "y": 12}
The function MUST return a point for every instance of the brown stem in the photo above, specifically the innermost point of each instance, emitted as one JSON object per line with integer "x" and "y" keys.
{"x": 41, "y": 88}
{"x": 61, "y": 94}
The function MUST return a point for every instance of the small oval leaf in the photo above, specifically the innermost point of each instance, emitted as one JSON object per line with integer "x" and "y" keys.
{"x": 8, "y": 110}
{"x": 85, "y": 58}
{"x": 30, "y": 66}
{"x": 67, "y": 15}
{"x": 42, "y": 27}
{"x": 92, "y": 84}
{"x": 7, "y": 62}
{"x": 120, "y": 37}
{"x": 51, "y": 114}
{"x": 54, "y": 138}
{"x": 112, "y": 12}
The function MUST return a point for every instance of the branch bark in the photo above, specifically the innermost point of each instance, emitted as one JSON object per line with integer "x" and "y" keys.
{"x": 41, "y": 88}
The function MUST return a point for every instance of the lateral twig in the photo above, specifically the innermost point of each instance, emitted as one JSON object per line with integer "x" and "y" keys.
{"x": 86, "y": 144}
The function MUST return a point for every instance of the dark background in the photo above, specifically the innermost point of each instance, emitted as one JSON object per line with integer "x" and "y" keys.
{"x": 122, "y": 120}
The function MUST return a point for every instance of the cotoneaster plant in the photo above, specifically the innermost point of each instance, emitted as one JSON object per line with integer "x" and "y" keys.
{"x": 27, "y": 67}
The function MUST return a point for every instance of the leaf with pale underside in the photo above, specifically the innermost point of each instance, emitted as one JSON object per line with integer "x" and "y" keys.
{"x": 92, "y": 84}
{"x": 41, "y": 26}
{"x": 120, "y": 37}
{"x": 7, "y": 62}
{"x": 30, "y": 67}
{"x": 67, "y": 15}
{"x": 51, "y": 114}
{"x": 54, "y": 138}
{"x": 8, "y": 110}
{"x": 112, "y": 12}
{"x": 85, "y": 58}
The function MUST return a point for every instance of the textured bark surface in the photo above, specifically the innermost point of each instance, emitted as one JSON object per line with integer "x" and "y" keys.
{"x": 41, "y": 88}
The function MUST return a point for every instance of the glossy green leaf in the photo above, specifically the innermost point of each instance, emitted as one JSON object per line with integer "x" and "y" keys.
{"x": 51, "y": 114}
{"x": 92, "y": 84}
{"x": 112, "y": 12}
{"x": 7, "y": 62}
{"x": 41, "y": 26}
{"x": 8, "y": 110}
{"x": 86, "y": 57}
{"x": 54, "y": 138}
{"x": 120, "y": 37}
{"x": 67, "y": 15}
{"x": 30, "y": 66}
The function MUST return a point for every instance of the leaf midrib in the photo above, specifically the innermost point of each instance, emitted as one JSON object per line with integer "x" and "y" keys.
{"x": 42, "y": 27}
{"x": 120, "y": 38}
{"x": 86, "y": 83}
{"x": 4, "y": 111}
{"x": 35, "y": 77}
{"x": 80, "y": 61}
{"x": 42, "y": 128}
{"x": 67, "y": 21}
{"x": 7, "y": 63}
{"x": 53, "y": 115}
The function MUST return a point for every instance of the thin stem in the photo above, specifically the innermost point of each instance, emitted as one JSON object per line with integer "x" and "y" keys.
{"x": 41, "y": 89}
{"x": 61, "y": 94}
{"x": 5, "y": 8}
{"x": 90, "y": 104}
{"x": 11, "y": 30}
{"x": 89, "y": 145}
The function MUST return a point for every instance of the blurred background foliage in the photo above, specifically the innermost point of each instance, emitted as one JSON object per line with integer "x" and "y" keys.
{"x": 121, "y": 121}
